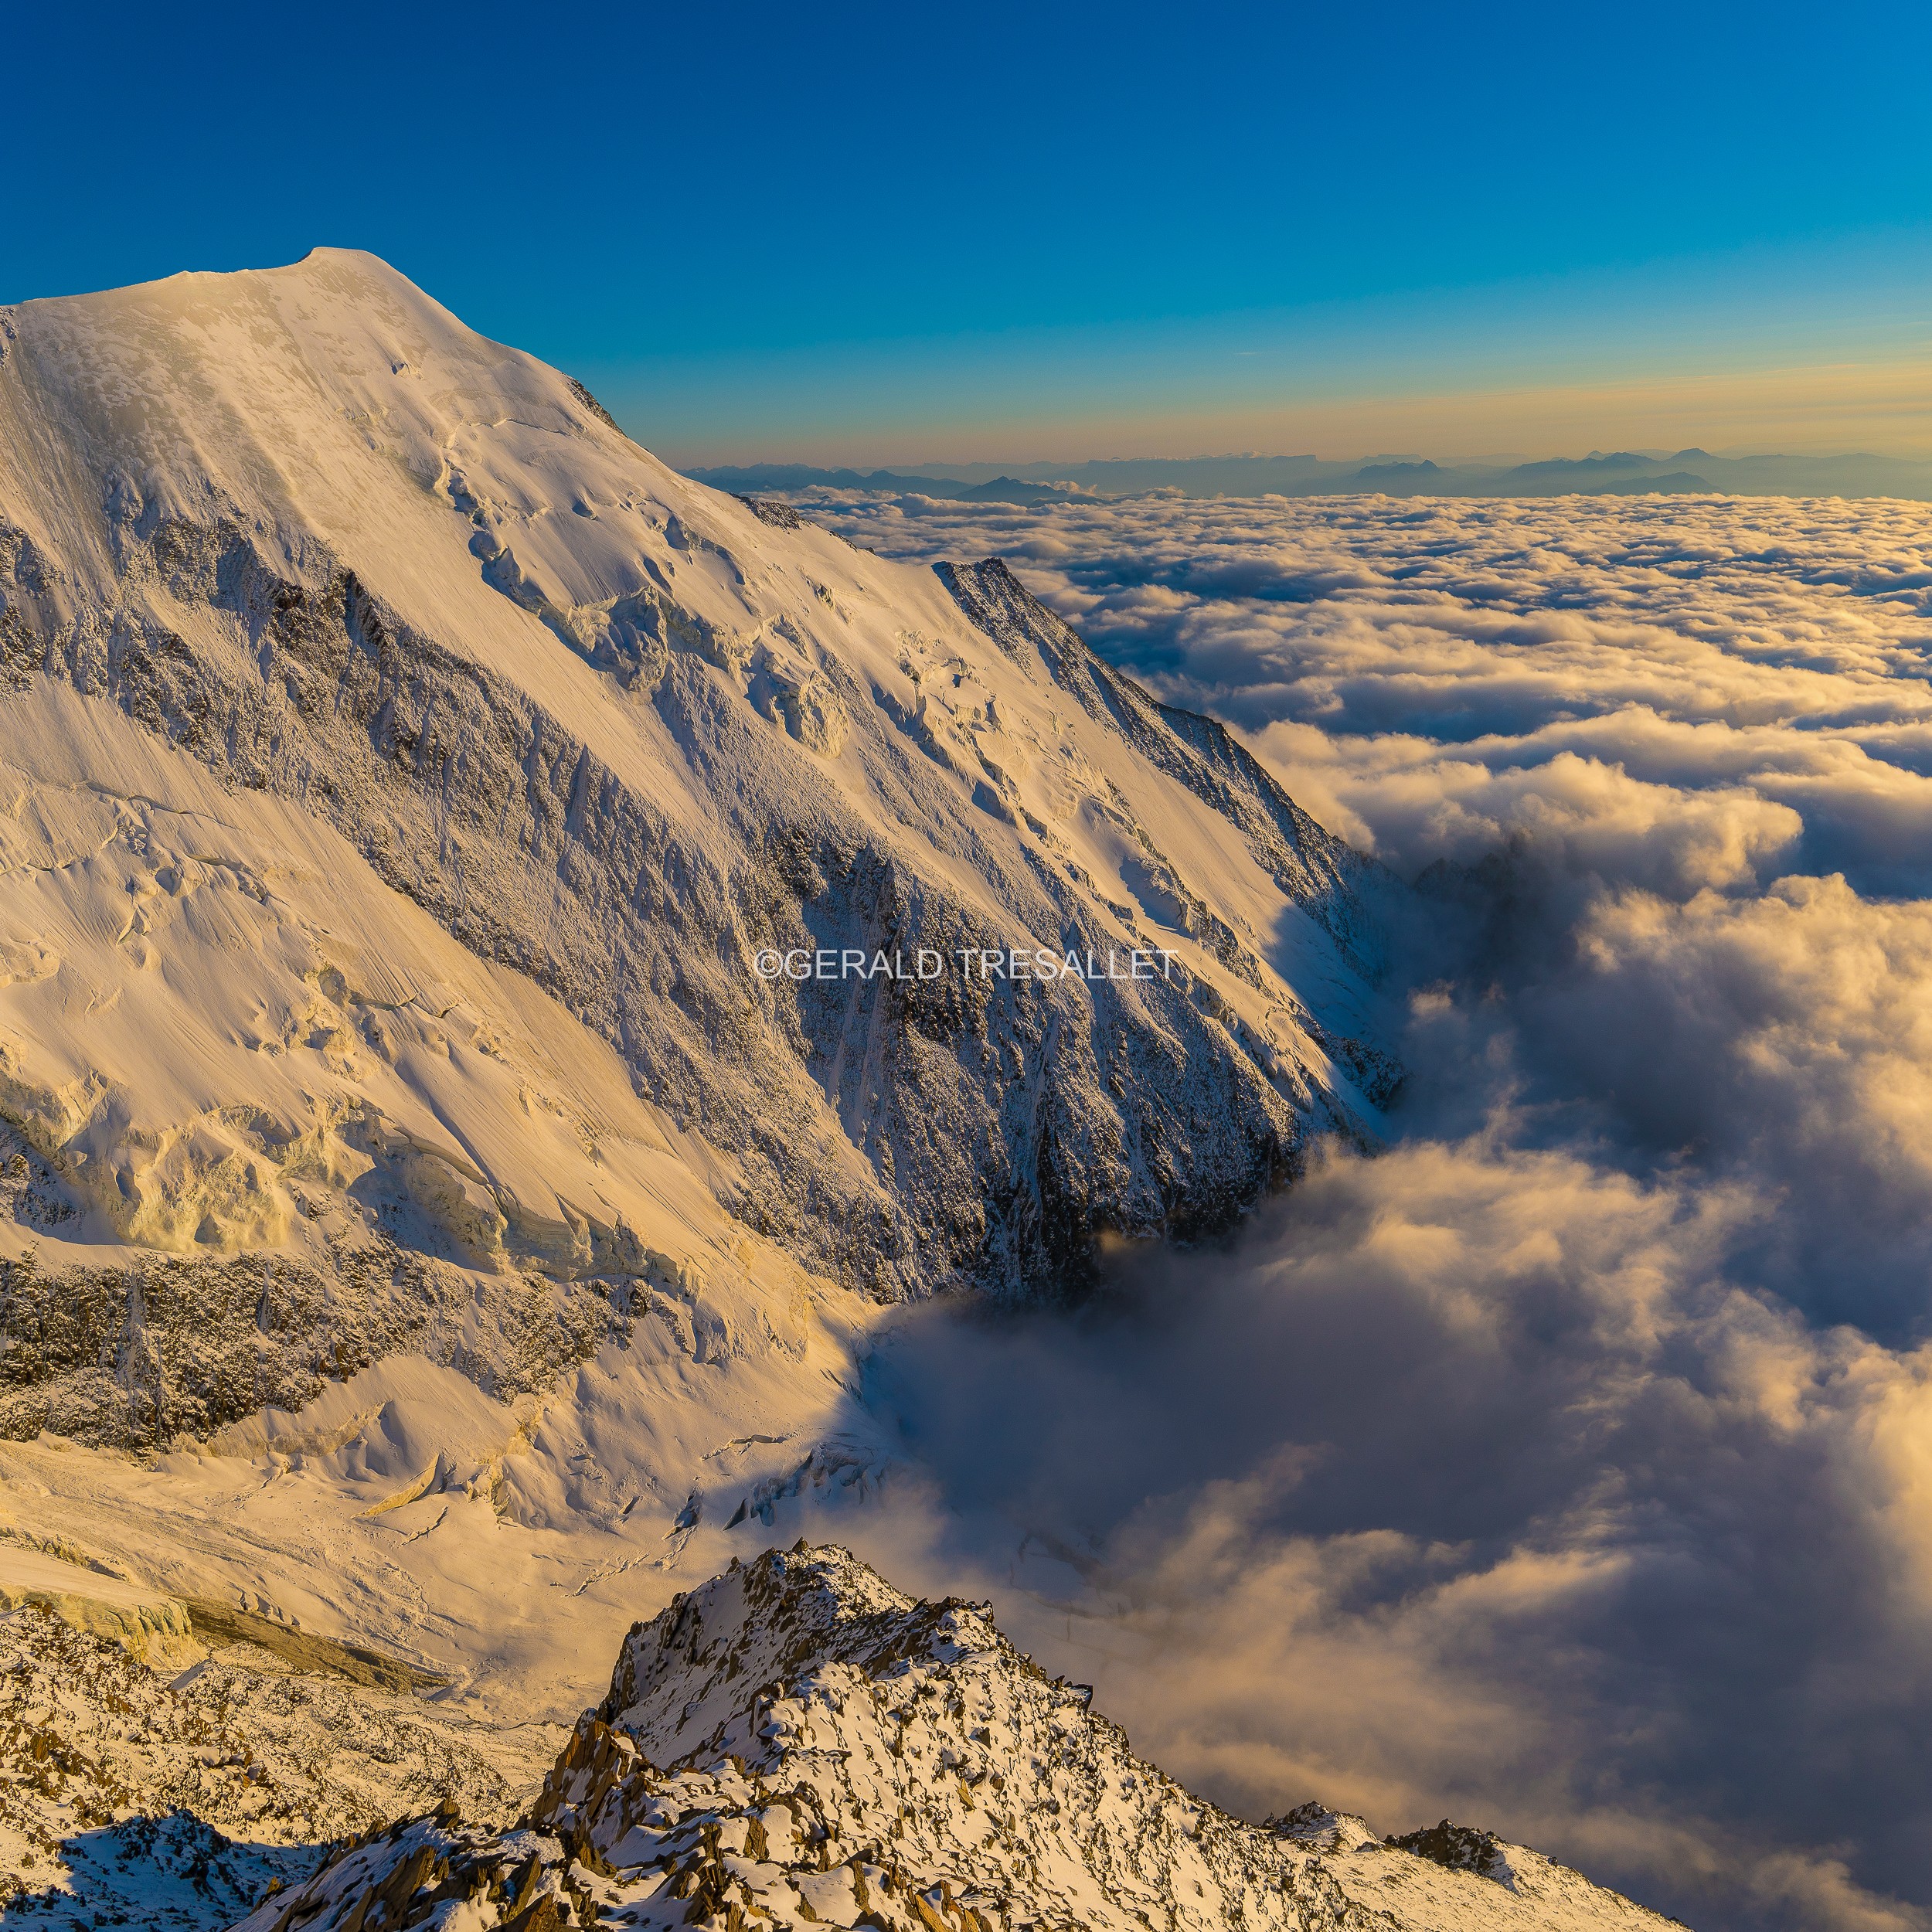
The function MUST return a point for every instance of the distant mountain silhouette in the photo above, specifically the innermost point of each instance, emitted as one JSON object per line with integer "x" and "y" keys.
{"x": 1615, "y": 473}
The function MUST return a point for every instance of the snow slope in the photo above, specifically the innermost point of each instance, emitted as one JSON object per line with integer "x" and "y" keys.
{"x": 130, "y": 1797}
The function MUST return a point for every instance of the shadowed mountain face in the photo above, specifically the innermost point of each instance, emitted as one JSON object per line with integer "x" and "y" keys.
{"x": 442, "y": 838}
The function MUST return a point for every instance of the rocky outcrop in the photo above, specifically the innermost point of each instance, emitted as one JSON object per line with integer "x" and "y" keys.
{"x": 136, "y": 1355}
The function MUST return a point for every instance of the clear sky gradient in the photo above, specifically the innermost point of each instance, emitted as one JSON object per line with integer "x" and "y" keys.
{"x": 902, "y": 233}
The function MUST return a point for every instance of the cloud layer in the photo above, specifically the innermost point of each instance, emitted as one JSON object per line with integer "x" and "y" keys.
{"x": 1474, "y": 1487}
{"x": 1568, "y": 1467}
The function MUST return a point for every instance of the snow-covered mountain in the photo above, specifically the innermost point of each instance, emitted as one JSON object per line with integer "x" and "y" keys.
{"x": 799, "y": 1743}
{"x": 406, "y": 776}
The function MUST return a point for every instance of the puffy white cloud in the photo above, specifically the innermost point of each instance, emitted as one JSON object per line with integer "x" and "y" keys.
{"x": 1379, "y": 652}
{"x": 1784, "y": 1039}
{"x": 1567, "y": 1468}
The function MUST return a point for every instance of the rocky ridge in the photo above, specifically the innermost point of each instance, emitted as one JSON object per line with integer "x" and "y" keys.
{"x": 132, "y": 1792}
{"x": 797, "y": 1743}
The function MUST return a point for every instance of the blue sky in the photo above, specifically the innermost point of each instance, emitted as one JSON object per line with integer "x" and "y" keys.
{"x": 1054, "y": 230}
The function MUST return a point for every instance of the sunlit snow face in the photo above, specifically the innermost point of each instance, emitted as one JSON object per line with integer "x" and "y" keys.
{"x": 1569, "y": 1466}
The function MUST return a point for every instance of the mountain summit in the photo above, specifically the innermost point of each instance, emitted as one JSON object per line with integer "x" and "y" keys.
{"x": 513, "y": 964}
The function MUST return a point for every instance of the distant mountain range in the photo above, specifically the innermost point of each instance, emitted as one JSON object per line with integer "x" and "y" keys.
{"x": 1621, "y": 473}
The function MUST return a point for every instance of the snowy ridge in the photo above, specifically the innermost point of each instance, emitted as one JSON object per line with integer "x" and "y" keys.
{"x": 799, "y": 1743}
{"x": 1320, "y": 871}
{"x": 1345, "y": 893}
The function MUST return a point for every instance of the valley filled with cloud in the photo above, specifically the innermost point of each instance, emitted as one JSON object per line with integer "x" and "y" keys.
{"x": 1568, "y": 1463}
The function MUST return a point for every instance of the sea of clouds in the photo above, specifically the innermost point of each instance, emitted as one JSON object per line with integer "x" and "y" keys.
{"x": 1567, "y": 1466}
